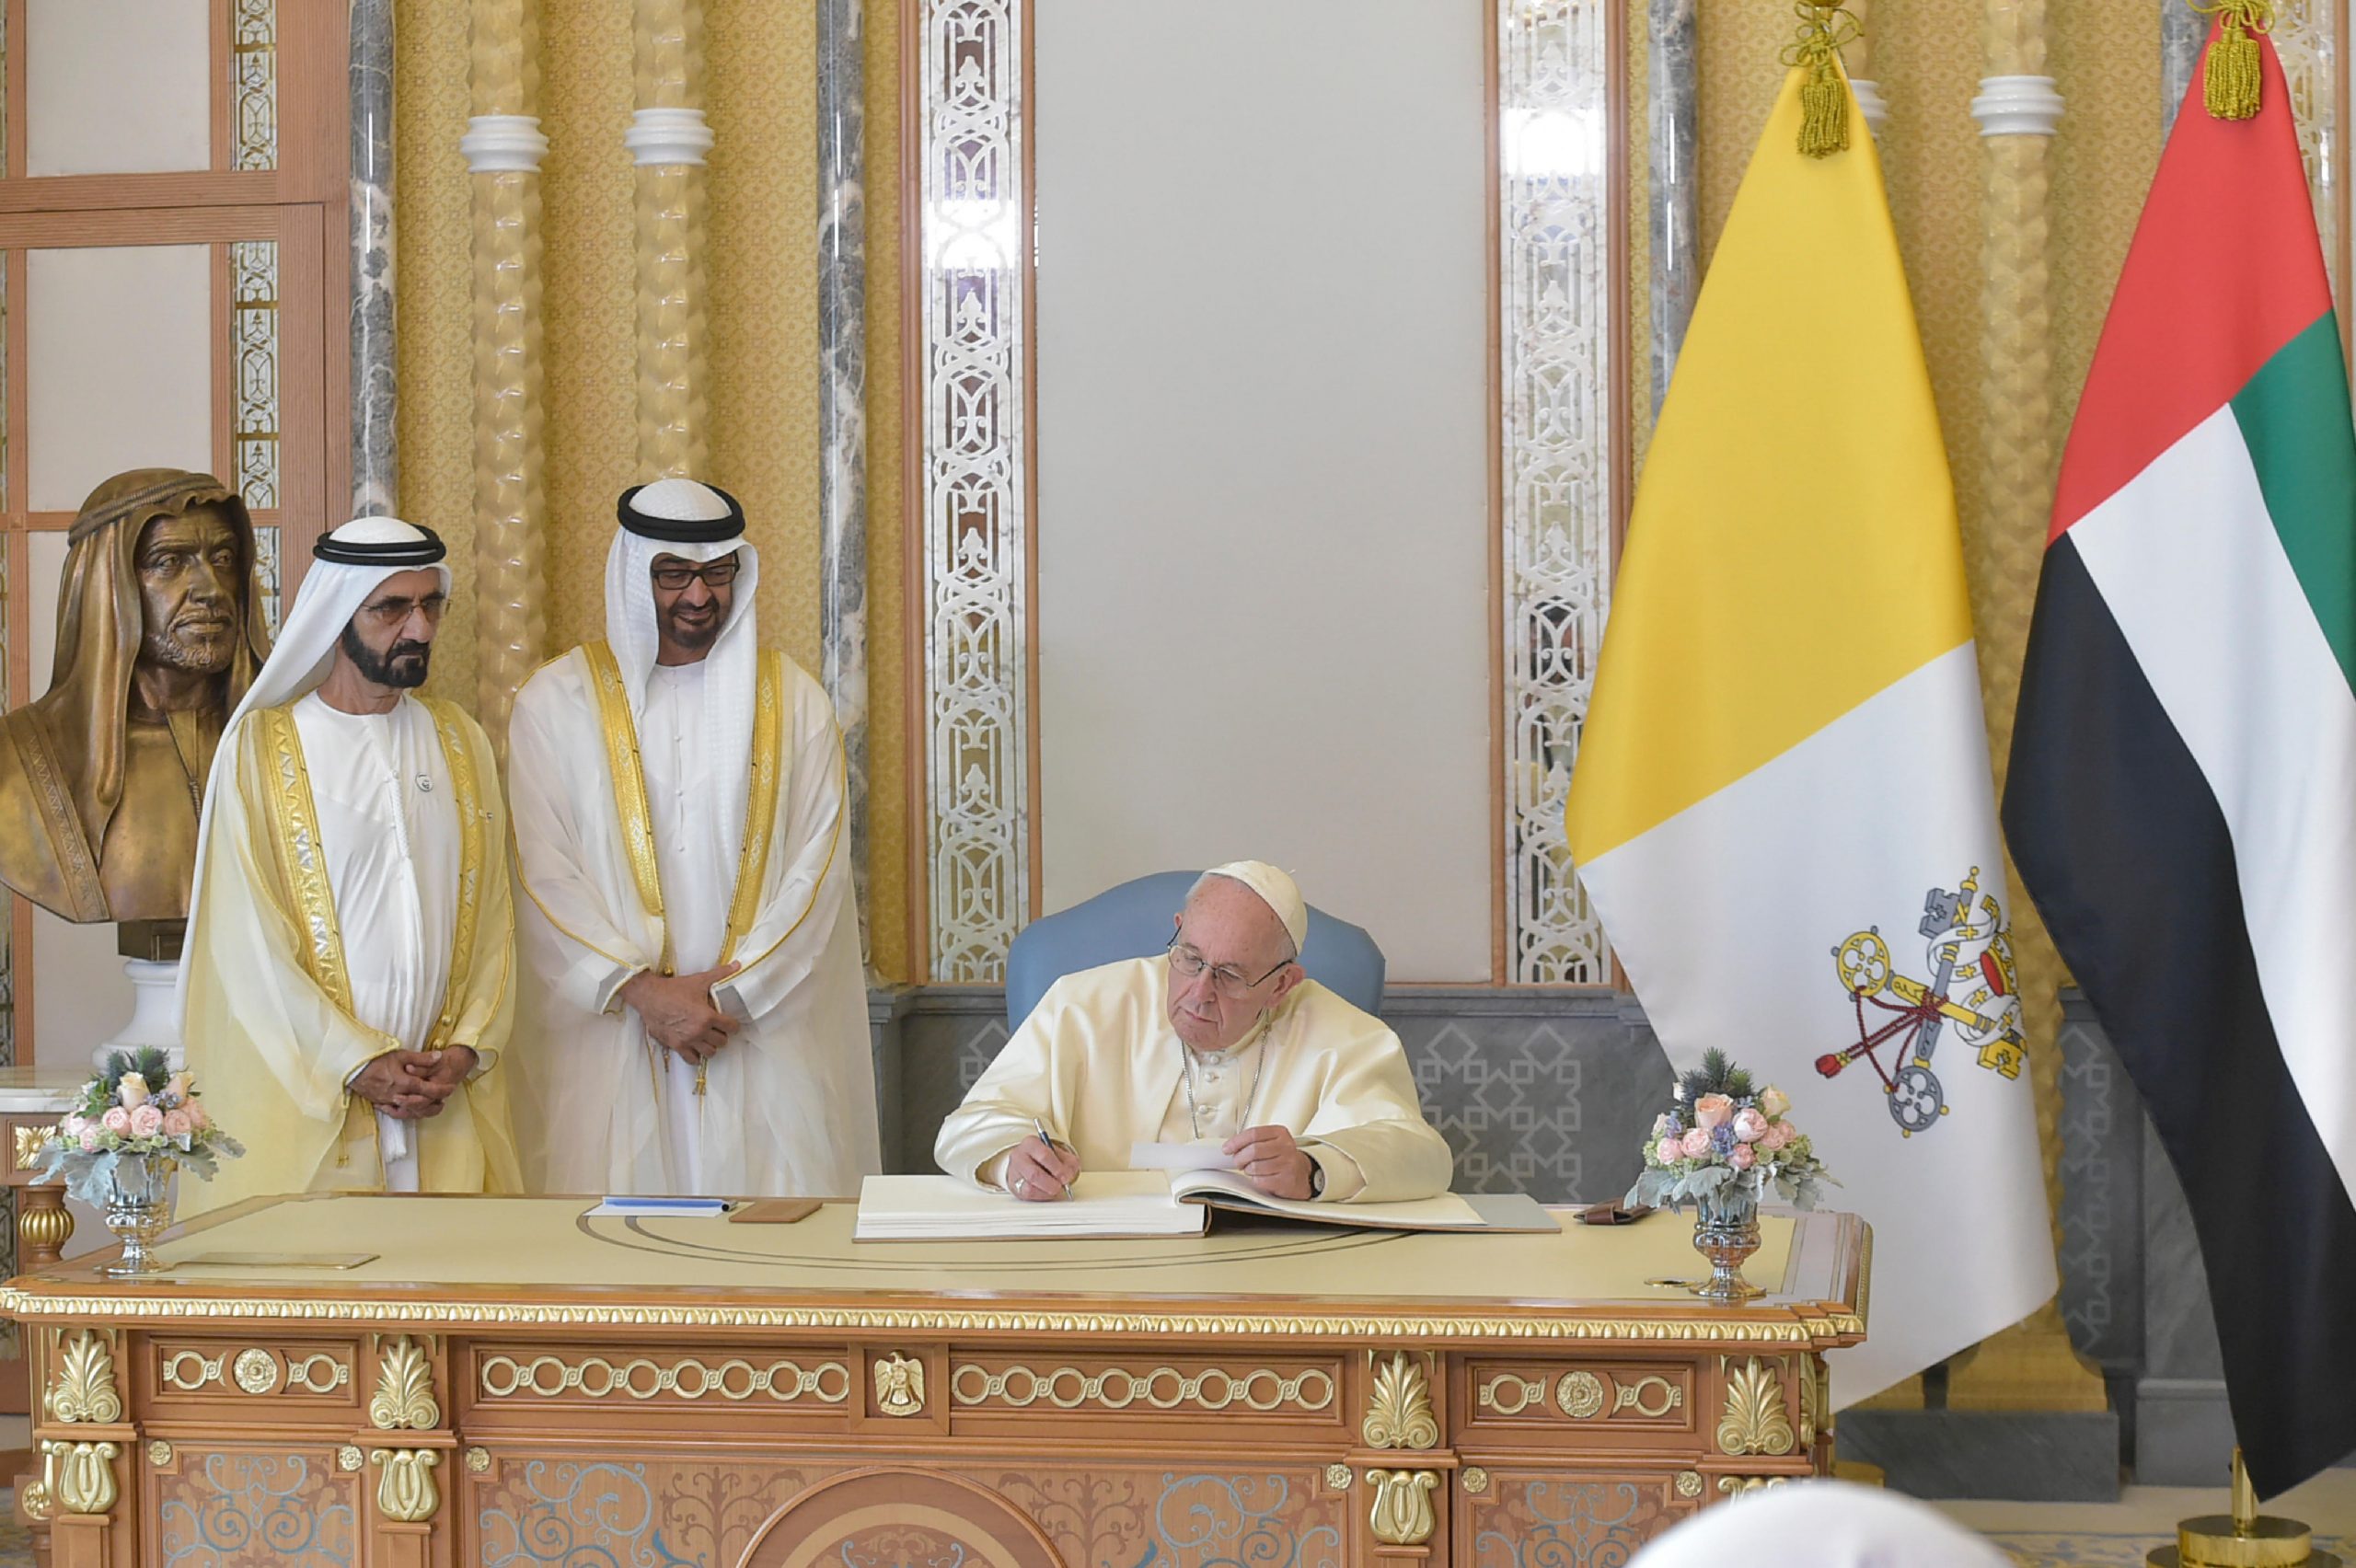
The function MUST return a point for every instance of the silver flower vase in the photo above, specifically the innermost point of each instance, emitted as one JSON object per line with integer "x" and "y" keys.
{"x": 139, "y": 1210}
{"x": 1725, "y": 1234}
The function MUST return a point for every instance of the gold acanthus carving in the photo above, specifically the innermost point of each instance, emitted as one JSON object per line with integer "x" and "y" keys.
{"x": 899, "y": 1386}
{"x": 81, "y": 1475}
{"x": 1580, "y": 1395}
{"x": 405, "y": 1491}
{"x": 594, "y": 1378}
{"x": 1398, "y": 1409}
{"x": 1634, "y": 1396}
{"x": 1755, "y": 1421}
{"x": 404, "y": 1398}
{"x": 1162, "y": 1388}
{"x": 29, "y": 1137}
{"x": 84, "y": 1389}
{"x": 1401, "y": 1514}
{"x": 1742, "y": 1485}
{"x": 1830, "y": 1330}
{"x": 1806, "y": 1381}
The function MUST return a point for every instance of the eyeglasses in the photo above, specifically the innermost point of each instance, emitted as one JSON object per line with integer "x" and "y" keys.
{"x": 716, "y": 574}
{"x": 393, "y": 612}
{"x": 1228, "y": 980}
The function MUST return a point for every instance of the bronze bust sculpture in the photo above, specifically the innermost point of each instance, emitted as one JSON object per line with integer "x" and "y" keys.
{"x": 102, "y": 780}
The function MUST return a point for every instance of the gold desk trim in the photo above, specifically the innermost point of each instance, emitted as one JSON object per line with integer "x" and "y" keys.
{"x": 1805, "y": 1327}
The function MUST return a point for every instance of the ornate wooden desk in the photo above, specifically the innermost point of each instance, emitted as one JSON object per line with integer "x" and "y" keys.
{"x": 511, "y": 1382}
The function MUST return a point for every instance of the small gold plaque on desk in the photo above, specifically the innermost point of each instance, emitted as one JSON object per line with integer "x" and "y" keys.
{"x": 277, "y": 1259}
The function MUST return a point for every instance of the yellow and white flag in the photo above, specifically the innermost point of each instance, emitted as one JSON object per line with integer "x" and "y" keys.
{"x": 1782, "y": 807}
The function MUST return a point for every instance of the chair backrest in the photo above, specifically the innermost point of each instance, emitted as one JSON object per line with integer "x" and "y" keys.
{"x": 1133, "y": 921}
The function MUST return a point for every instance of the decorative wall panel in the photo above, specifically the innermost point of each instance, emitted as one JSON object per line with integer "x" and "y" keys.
{"x": 1556, "y": 289}
{"x": 254, "y": 438}
{"x": 976, "y": 291}
{"x": 2306, "y": 36}
{"x": 253, "y": 85}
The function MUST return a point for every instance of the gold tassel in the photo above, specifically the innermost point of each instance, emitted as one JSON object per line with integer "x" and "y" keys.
{"x": 1824, "y": 97}
{"x": 2229, "y": 85}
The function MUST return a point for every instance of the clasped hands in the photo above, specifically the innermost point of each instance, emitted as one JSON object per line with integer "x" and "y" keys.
{"x": 1267, "y": 1157}
{"x": 410, "y": 1086}
{"x": 679, "y": 1012}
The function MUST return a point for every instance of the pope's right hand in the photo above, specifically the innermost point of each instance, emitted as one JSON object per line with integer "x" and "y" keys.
{"x": 678, "y": 1013}
{"x": 1039, "y": 1174}
{"x": 400, "y": 1084}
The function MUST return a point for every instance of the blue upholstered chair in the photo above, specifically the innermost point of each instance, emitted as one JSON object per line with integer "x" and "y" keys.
{"x": 1133, "y": 921}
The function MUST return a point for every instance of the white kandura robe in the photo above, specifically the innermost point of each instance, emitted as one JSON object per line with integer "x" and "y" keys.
{"x": 789, "y": 1102}
{"x": 1098, "y": 1062}
{"x": 390, "y": 834}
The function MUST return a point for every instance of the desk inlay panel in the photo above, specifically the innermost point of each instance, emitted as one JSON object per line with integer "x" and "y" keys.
{"x": 510, "y": 1382}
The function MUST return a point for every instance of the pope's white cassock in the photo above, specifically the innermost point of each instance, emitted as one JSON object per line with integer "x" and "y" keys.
{"x": 609, "y": 747}
{"x": 349, "y": 900}
{"x": 1098, "y": 1063}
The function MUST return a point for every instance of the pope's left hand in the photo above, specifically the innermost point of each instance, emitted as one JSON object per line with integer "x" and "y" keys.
{"x": 1271, "y": 1161}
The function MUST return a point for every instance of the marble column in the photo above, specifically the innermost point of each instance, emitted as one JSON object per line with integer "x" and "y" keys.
{"x": 376, "y": 451}
{"x": 2033, "y": 1365}
{"x": 668, "y": 139}
{"x": 2183, "y": 30}
{"x": 1675, "y": 196}
{"x": 842, "y": 405}
{"x": 503, "y": 147}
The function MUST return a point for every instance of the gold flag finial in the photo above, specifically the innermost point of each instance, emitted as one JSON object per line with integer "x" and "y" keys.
{"x": 2229, "y": 84}
{"x": 1824, "y": 97}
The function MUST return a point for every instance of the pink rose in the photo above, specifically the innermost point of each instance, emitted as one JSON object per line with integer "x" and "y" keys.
{"x": 1750, "y": 1126}
{"x": 1712, "y": 1111}
{"x": 131, "y": 1090}
{"x": 116, "y": 1120}
{"x": 196, "y": 1116}
{"x": 1742, "y": 1158}
{"x": 1668, "y": 1151}
{"x": 71, "y": 1128}
{"x": 1695, "y": 1144}
{"x": 146, "y": 1122}
{"x": 90, "y": 1140}
{"x": 1778, "y": 1133}
{"x": 1773, "y": 1102}
{"x": 177, "y": 1125}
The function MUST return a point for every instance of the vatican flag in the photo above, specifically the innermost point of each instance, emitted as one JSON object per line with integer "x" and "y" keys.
{"x": 1782, "y": 806}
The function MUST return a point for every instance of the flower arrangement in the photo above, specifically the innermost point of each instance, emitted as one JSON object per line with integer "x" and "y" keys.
{"x": 137, "y": 1107}
{"x": 1723, "y": 1143}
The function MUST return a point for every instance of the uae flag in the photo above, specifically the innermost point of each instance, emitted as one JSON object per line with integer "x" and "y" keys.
{"x": 2182, "y": 796}
{"x": 1782, "y": 807}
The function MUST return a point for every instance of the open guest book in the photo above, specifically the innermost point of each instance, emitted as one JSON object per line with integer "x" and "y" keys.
{"x": 1150, "y": 1203}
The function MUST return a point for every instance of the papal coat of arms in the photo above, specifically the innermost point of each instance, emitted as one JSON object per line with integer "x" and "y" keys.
{"x": 1972, "y": 988}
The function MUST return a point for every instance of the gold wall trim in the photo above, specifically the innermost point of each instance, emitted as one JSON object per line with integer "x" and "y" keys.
{"x": 1828, "y": 1330}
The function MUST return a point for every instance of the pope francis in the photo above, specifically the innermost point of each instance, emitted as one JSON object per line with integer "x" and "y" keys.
{"x": 1223, "y": 1039}
{"x": 689, "y": 940}
{"x": 345, "y": 986}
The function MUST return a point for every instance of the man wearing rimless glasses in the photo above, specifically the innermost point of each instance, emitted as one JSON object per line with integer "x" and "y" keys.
{"x": 1221, "y": 1041}
{"x": 693, "y": 997}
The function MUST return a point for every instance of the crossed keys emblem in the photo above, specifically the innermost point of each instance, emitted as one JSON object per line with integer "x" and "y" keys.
{"x": 1973, "y": 989}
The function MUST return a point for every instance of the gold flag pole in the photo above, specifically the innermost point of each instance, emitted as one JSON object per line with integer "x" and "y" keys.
{"x": 2243, "y": 1539}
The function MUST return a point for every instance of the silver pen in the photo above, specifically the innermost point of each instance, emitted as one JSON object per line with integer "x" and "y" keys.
{"x": 1049, "y": 1139}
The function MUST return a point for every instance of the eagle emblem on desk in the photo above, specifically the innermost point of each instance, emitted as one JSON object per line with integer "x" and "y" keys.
{"x": 1973, "y": 992}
